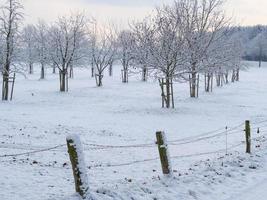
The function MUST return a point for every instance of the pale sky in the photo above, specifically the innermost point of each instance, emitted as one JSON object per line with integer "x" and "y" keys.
{"x": 245, "y": 12}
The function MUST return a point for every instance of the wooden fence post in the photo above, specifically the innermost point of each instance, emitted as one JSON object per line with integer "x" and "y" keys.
{"x": 78, "y": 166}
{"x": 248, "y": 136}
{"x": 163, "y": 152}
{"x": 12, "y": 87}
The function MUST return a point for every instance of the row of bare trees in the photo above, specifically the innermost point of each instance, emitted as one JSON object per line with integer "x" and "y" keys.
{"x": 69, "y": 42}
{"x": 182, "y": 42}
{"x": 186, "y": 40}
{"x": 58, "y": 45}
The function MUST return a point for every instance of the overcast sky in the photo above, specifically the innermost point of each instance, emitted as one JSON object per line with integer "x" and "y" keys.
{"x": 245, "y": 12}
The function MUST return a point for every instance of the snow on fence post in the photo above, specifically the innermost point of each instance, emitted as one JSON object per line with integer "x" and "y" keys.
{"x": 78, "y": 166}
{"x": 164, "y": 153}
{"x": 248, "y": 136}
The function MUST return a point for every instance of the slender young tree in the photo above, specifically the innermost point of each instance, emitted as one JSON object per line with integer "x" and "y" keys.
{"x": 66, "y": 45}
{"x": 104, "y": 53}
{"x": 201, "y": 21}
{"x": 29, "y": 46}
{"x": 125, "y": 54}
{"x": 223, "y": 57}
{"x": 142, "y": 34}
{"x": 10, "y": 20}
{"x": 42, "y": 46}
{"x": 92, "y": 46}
{"x": 163, "y": 43}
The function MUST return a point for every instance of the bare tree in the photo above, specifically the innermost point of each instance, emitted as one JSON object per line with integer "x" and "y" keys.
{"x": 110, "y": 67}
{"x": 125, "y": 54}
{"x": 237, "y": 49}
{"x": 163, "y": 44}
{"x": 66, "y": 41}
{"x": 9, "y": 27}
{"x": 92, "y": 46}
{"x": 42, "y": 46}
{"x": 224, "y": 56}
{"x": 201, "y": 22}
{"x": 29, "y": 46}
{"x": 142, "y": 35}
{"x": 104, "y": 53}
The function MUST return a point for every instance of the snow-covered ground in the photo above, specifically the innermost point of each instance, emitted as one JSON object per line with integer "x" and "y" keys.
{"x": 118, "y": 115}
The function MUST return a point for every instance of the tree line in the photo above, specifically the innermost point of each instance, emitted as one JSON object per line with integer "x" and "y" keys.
{"x": 254, "y": 42}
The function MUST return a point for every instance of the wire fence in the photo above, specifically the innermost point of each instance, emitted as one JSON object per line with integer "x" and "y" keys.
{"x": 215, "y": 134}
{"x": 172, "y": 157}
{"x": 101, "y": 146}
{"x": 32, "y": 152}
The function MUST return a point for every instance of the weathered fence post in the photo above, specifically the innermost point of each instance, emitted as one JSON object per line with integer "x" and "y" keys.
{"x": 163, "y": 152}
{"x": 248, "y": 136}
{"x": 78, "y": 166}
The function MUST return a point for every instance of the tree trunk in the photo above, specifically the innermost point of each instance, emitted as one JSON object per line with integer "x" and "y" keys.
{"x": 144, "y": 74}
{"x": 5, "y": 88}
{"x": 6, "y": 68}
{"x": 110, "y": 69}
{"x": 226, "y": 77}
{"x": 208, "y": 82}
{"x": 30, "y": 68}
{"x": 71, "y": 72}
{"x": 260, "y": 58}
{"x": 100, "y": 84}
{"x": 167, "y": 92}
{"x": 92, "y": 71}
{"x": 222, "y": 80}
{"x": 233, "y": 76}
{"x": 193, "y": 85}
{"x": 125, "y": 69}
{"x": 125, "y": 75}
{"x": 211, "y": 83}
{"x": 63, "y": 78}
{"x": 219, "y": 79}
{"x": 42, "y": 72}
{"x": 54, "y": 69}
{"x": 237, "y": 75}
{"x": 98, "y": 78}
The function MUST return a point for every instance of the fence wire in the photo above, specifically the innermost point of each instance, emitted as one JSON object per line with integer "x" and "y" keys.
{"x": 182, "y": 141}
{"x": 32, "y": 152}
{"x": 157, "y": 158}
{"x": 101, "y": 146}
{"x": 260, "y": 122}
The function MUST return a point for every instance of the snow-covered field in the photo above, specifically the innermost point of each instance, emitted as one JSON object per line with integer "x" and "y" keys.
{"x": 119, "y": 115}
